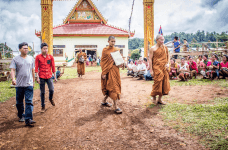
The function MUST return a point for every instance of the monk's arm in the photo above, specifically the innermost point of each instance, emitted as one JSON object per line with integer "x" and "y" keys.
{"x": 150, "y": 60}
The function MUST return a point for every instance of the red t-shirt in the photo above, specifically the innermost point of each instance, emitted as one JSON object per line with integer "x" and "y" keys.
{"x": 193, "y": 66}
{"x": 45, "y": 66}
{"x": 224, "y": 65}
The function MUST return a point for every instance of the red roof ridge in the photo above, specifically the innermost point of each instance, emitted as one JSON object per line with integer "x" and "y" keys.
{"x": 65, "y": 31}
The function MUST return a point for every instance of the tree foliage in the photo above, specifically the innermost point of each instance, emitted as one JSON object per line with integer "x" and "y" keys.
{"x": 7, "y": 50}
{"x": 135, "y": 43}
{"x": 198, "y": 37}
{"x": 135, "y": 54}
{"x": 31, "y": 52}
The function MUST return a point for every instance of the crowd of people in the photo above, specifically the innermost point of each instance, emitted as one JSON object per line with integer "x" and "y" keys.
{"x": 139, "y": 69}
{"x": 204, "y": 67}
{"x": 213, "y": 68}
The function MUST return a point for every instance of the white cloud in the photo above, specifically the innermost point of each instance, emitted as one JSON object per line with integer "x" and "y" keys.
{"x": 19, "y": 19}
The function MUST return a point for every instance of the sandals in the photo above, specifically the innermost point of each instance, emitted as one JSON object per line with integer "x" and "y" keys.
{"x": 107, "y": 104}
{"x": 161, "y": 103}
{"x": 118, "y": 111}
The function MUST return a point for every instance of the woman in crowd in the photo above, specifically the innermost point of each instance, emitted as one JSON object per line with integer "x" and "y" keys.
{"x": 199, "y": 61}
{"x": 224, "y": 67}
{"x": 183, "y": 70}
{"x": 193, "y": 68}
{"x": 173, "y": 69}
{"x": 213, "y": 68}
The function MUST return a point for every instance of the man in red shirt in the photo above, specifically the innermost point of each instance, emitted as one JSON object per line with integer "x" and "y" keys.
{"x": 193, "y": 67}
{"x": 44, "y": 68}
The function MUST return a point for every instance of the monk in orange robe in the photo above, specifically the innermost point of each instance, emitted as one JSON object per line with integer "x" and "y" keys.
{"x": 110, "y": 77}
{"x": 159, "y": 66}
{"x": 81, "y": 65}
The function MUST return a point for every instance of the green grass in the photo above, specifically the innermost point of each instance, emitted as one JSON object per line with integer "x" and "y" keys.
{"x": 209, "y": 122}
{"x": 194, "y": 82}
{"x": 7, "y": 92}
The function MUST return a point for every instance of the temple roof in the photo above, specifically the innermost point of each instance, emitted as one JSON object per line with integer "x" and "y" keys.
{"x": 85, "y": 20}
{"x": 84, "y": 11}
{"x": 88, "y": 29}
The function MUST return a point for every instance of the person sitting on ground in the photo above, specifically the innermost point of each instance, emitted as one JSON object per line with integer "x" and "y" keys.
{"x": 183, "y": 70}
{"x": 130, "y": 68}
{"x": 136, "y": 61}
{"x": 193, "y": 68}
{"x": 212, "y": 72}
{"x": 59, "y": 74}
{"x": 198, "y": 61}
{"x": 203, "y": 66}
{"x": 173, "y": 69}
{"x": 224, "y": 67}
{"x": 141, "y": 70}
{"x": 147, "y": 76}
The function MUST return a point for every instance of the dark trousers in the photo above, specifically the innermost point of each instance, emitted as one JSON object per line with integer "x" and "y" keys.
{"x": 42, "y": 89}
{"x": 27, "y": 93}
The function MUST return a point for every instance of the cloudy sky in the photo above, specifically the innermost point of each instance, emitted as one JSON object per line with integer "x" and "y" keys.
{"x": 20, "y": 18}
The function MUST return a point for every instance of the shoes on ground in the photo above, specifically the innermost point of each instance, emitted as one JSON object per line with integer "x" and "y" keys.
{"x": 52, "y": 102}
{"x": 22, "y": 119}
{"x": 29, "y": 123}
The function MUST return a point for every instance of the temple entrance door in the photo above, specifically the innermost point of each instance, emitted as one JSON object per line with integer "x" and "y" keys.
{"x": 92, "y": 53}
{"x": 89, "y": 52}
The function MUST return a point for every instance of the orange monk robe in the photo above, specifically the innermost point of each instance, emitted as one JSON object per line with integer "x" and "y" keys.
{"x": 161, "y": 76}
{"x": 81, "y": 66}
{"x": 110, "y": 86}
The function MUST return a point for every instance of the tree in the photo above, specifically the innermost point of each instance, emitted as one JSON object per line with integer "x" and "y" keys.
{"x": 31, "y": 51}
{"x": 135, "y": 43}
{"x": 135, "y": 54}
{"x": 7, "y": 51}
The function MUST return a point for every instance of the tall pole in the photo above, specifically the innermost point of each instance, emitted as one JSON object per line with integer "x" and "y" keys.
{"x": 47, "y": 23}
{"x": 148, "y": 6}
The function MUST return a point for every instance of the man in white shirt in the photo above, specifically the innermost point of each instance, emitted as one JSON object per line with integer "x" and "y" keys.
{"x": 141, "y": 69}
{"x": 130, "y": 68}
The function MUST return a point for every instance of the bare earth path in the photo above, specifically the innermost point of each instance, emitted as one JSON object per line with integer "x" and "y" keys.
{"x": 79, "y": 122}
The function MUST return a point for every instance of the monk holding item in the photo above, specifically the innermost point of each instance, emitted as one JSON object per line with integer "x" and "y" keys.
{"x": 81, "y": 58}
{"x": 159, "y": 66}
{"x": 110, "y": 77}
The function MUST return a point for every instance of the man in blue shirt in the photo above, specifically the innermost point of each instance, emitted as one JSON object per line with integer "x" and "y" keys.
{"x": 176, "y": 46}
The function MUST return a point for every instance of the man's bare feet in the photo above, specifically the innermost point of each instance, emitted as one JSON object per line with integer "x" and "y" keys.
{"x": 160, "y": 101}
{"x": 154, "y": 100}
{"x": 105, "y": 99}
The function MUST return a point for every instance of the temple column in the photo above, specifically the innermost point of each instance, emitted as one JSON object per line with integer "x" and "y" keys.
{"x": 148, "y": 6}
{"x": 47, "y": 23}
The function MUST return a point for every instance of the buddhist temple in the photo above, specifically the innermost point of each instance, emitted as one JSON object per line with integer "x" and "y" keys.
{"x": 85, "y": 28}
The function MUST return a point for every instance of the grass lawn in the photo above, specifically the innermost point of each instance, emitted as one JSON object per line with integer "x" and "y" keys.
{"x": 193, "y": 82}
{"x": 209, "y": 122}
{"x": 7, "y": 92}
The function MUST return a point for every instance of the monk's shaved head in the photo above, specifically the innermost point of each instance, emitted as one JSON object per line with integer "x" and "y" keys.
{"x": 111, "y": 37}
{"x": 160, "y": 40}
{"x": 158, "y": 36}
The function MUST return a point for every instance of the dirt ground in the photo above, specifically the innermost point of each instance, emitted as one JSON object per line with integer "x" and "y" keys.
{"x": 78, "y": 121}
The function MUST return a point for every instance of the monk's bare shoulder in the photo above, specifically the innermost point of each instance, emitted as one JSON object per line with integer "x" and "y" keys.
{"x": 153, "y": 48}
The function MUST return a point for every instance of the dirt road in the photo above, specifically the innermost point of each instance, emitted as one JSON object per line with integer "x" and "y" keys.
{"x": 79, "y": 122}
